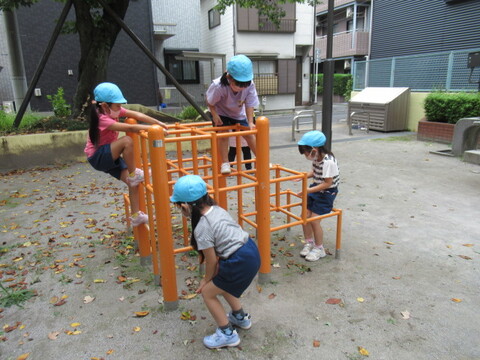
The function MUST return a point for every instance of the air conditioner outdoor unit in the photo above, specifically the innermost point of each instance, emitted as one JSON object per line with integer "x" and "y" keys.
{"x": 347, "y": 65}
{"x": 349, "y": 12}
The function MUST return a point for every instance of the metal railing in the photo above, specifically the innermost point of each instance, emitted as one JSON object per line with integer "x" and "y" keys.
{"x": 434, "y": 71}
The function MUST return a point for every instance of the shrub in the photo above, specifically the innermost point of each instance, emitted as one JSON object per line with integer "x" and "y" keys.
{"x": 7, "y": 120}
{"x": 342, "y": 84}
{"x": 189, "y": 113}
{"x": 60, "y": 106}
{"x": 449, "y": 107}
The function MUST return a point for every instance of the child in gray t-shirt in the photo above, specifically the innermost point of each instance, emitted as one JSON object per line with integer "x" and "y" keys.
{"x": 231, "y": 258}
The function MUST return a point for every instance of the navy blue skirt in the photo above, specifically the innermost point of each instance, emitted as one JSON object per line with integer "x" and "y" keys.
{"x": 236, "y": 273}
{"x": 321, "y": 202}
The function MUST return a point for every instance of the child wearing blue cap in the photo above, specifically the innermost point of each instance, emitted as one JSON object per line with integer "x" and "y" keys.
{"x": 231, "y": 258}
{"x": 108, "y": 153}
{"x": 321, "y": 193}
{"x": 232, "y": 99}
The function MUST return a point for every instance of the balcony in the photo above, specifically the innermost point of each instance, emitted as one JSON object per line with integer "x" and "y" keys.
{"x": 266, "y": 84}
{"x": 285, "y": 26}
{"x": 164, "y": 30}
{"x": 346, "y": 43}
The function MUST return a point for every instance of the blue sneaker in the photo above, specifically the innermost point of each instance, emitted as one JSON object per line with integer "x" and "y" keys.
{"x": 244, "y": 323}
{"x": 219, "y": 339}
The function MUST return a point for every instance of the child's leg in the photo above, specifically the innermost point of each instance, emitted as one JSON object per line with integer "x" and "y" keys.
{"x": 317, "y": 232}
{"x": 124, "y": 146}
{"x": 247, "y": 155}
{"x": 132, "y": 192}
{"x": 210, "y": 294}
{"x": 232, "y": 153}
{"x": 252, "y": 142}
{"x": 234, "y": 302}
{"x": 307, "y": 228}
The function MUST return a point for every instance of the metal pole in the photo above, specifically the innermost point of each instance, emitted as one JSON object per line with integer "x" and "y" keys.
{"x": 328, "y": 67}
{"x": 149, "y": 54}
{"x": 43, "y": 62}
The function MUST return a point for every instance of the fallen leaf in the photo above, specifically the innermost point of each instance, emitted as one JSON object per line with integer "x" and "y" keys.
{"x": 23, "y": 356}
{"x": 54, "y": 300}
{"x": 316, "y": 343}
{"x": 360, "y": 299}
{"x": 109, "y": 352}
{"x": 60, "y": 303}
{"x": 363, "y": 351}
{"x": 137, "y": 328}
{"x": 272, "y": 296}
{"x": 465, "y": 257}
{"x": 97, "y": 281}
{"x": 456, "y": 300}
{"x": 396, "y": 277}
{"x": 74, "y": 325}
{"x": 467, "y": 245}
{"x": 259, "y": 288}
{"x": 389, "y": 243}
{"x": 405, "y": 315}
{"x": 88, "y": 299}
{"x": 333, "y": 301}
{"x": 188, "y": 296}
{"x": 53, "y": 335}
{"x": 141, "y": 313}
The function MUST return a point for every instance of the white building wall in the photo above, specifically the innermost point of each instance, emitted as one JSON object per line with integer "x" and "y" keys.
{"x": 186, "y": 15}
{"x": 6, "y": 90}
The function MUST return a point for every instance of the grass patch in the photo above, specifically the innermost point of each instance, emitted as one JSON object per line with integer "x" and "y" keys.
{"x": 32, "y": 124}
{"x": 14, "y": 297}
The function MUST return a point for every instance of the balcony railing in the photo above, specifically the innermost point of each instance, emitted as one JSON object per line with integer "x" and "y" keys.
{"x": 266, "y": 84}
{"x": 285, "y": 26}
{"x": 346, "y": 43}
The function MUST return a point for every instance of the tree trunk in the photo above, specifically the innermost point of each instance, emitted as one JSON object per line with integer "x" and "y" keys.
{"x": 97, "y": 38}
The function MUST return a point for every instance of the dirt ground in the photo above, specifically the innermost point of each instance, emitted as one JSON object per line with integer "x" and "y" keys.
{"x": 407, "y": 282}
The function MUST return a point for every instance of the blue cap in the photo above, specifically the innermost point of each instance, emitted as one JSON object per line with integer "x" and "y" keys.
{"x": 188, "y": 188}
{"x": 313, "y": 138}
{"x": 109, "y": 93}
{"x": 240, "y": 68}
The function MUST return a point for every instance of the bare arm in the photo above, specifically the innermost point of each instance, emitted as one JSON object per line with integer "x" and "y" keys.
{"x": 211, "y": 264}
{"x": 144, "y": 118}
{"x": 250, "y": 115}
{"x": 215, "y": 117}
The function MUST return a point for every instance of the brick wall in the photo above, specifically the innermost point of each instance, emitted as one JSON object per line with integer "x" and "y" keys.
{"x": 435, "y": 131}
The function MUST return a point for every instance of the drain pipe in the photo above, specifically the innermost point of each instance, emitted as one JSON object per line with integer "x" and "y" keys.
{"x": 18, "y": 76}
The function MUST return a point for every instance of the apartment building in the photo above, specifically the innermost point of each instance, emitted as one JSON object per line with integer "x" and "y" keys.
{"x": 351, "y": 32}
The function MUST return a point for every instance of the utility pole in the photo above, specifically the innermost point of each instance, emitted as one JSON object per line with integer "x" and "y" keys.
{"x": 328, "y": 69}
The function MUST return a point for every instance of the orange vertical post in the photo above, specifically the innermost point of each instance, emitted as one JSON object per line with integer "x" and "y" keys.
{"x": 140, "y": 232}
{"x": 338, "y": 244}
{"x": 158, "y": 159}
{"x": 262, "y": 202}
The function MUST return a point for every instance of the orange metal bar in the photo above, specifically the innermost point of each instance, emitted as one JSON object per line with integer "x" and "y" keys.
{"x": 262, "y": 202}
{"x": 163, "y": 218}
{"x": 141, "y": 231}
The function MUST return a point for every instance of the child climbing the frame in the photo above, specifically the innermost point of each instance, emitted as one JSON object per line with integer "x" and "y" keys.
{"x": 108, "y": 153}
{"x": 231, "y": 258}
{"x": 231, "y": 100}
{"x": 321, "y": 193}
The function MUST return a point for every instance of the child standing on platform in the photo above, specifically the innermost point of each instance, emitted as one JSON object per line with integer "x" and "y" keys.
{"x": 231, "y": 99}
{"x": 321, "y": 193}
{"x": 108, "y": 153}
{"x": 231, "y": 258}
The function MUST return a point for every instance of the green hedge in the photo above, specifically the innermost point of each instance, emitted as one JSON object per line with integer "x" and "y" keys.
{"x": 449, "y": 107}
{"x": 342, "y": 84}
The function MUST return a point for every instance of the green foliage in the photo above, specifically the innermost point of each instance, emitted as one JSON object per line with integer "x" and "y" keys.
{"x": 451, "y": 107}
{"x": 7, "y": 5}
{"x": 342, "y": 84}
{"x": 14, "y": 297}
{"x": 6, "y": 122}
{"x": 189, "y": 113}
{"x": 60, "y": 106}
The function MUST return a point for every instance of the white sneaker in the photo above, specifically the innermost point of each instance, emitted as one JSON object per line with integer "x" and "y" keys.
{"x": 306, "y": 249}
{"x": 139, "y": 218}
{"x": 225, "y": 168}
{"x": 315, "y": 254}
{"x": 137, "y": 179}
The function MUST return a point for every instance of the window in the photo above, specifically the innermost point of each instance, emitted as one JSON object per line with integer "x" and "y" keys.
{"x": 184, "y": 71}
{"x": 360, "y": 24}
{"x": 266, "y": 77}
{"x": 213, "y": 18}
